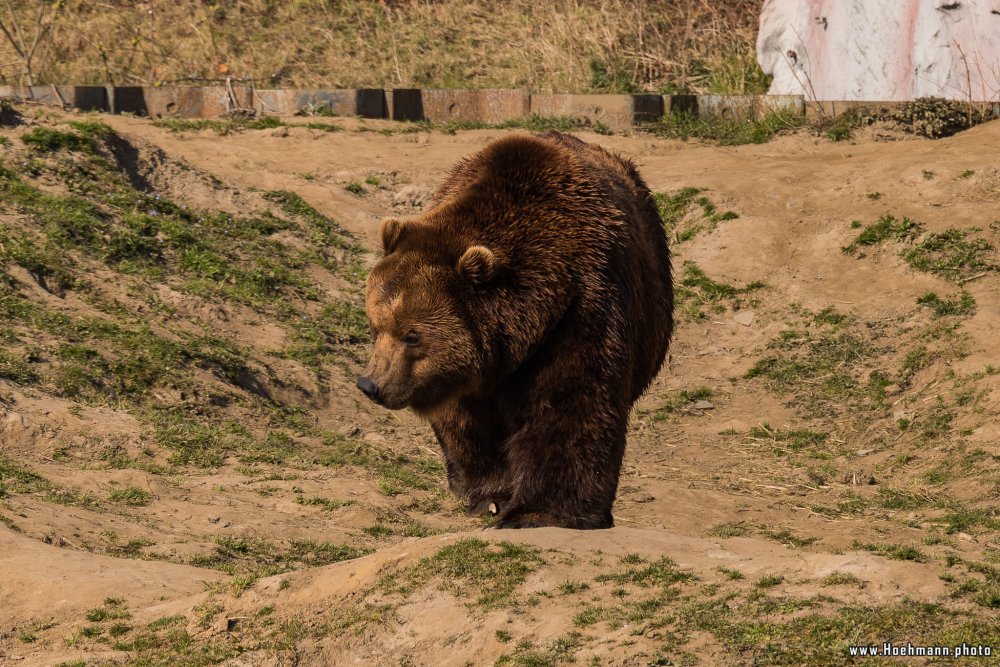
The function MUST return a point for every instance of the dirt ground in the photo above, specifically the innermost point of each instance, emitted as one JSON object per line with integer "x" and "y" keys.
{"x": 815, "y": 467}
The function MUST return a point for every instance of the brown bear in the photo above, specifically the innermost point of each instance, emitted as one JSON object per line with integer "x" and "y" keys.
{"x": 523, "y": 314}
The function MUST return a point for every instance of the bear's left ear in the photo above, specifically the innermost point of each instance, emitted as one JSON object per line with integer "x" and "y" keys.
{"x": 391, "y": 230}
{"x": 477, "y": 265}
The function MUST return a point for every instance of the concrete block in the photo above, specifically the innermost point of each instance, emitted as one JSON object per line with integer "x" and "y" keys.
{"x": 127, "y": 99}
{"x": 371, "y": 103}
{"x": 85, "y": 98}
{"x": 407, "y": 104}
{"x": 365, "y": 102}
{"x": 338, "y": 102}
{"x": 734, "y": 106}
{"x": 277, "y": 102}
{"x": 486, "y": 106}
{"x": 190, "y": 102}
{"x": 647, "y": 108}
{"x": 617, "y": 112}
{"x": 441, "y": 106}
{"x": 795, "y": 104}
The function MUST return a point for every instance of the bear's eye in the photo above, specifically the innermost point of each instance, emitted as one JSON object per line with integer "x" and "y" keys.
{"x": 411, "y": 338}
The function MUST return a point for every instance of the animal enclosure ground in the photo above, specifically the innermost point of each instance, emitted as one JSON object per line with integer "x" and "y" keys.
{"x": 189, "y": 476}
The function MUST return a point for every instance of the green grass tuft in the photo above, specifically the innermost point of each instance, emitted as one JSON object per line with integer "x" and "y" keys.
{"x": 887, "y": 228}
{"x": 964, "y": 304}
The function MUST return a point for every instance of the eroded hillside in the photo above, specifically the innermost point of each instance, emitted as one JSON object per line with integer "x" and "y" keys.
{"x": 188, "y": 476}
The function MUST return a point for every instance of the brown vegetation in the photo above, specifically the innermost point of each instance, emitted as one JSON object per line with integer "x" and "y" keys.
{"x": 563, "y": 46}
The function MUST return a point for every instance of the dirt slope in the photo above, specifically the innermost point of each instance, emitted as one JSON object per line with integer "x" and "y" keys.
{"x": 188, "y": 476}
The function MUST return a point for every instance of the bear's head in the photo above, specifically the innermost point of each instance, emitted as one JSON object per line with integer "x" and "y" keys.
{"x": 428, "y": 347}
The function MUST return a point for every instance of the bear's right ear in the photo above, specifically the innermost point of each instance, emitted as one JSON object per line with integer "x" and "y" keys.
{"x": 391, "y": 230}
{"x": 477, "y": 265}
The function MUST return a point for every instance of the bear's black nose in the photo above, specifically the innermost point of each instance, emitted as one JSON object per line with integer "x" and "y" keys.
{"x": 368, "y": 387}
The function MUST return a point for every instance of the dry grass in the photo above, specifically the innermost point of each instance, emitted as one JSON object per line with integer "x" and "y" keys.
{"x": 562, "y": 46}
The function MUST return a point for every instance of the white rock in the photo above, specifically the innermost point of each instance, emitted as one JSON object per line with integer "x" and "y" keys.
{"x": 881, "y": 51}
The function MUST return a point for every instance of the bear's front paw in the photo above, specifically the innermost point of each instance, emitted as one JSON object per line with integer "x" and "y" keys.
{"x": 528, "y": 520}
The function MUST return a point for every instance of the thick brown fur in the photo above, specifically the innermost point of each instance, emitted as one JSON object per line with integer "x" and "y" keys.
{"x": 523, "y": 314}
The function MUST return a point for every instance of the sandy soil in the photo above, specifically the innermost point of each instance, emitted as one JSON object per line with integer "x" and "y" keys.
{"x": 718, "y": 490}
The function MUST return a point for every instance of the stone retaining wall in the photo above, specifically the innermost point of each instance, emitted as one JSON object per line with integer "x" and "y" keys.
{"x": 488, "y": 106}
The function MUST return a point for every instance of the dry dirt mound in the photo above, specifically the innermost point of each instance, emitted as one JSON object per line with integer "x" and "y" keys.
{"x": 188, "y": 476}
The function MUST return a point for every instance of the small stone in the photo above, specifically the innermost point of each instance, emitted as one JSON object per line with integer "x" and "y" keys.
{"x": 279, "y": 131}
{"x": 865, "y": 452}
{"x": 214, "y": 519}
{"x": 492, "y": 509}
{"x": 350, "y": 431}
{"x": 744, "y": 317}
{"x": 703, "y": 405}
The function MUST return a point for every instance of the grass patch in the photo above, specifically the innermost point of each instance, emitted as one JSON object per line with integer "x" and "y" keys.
{"x": 786, "y": 536}
{"x": 318, "y": 341}
{"x": 488, "y": 573}
{"x": 839, "y": 578}
{"x": 731, "y": 529}
{"x": 130, "y": 495}
{"x": 680, "y": 400}
{"x": 892, "y": 551}
{"x": 769, "y": 581}
{"x": 47, "y": 139}
{"x": 888, "y": 228}
{"x": 556, "y": 652}
{"x": 968, "y": 520}
{"x": 195, "y": 443}
{"x": 324, "y": 503}
{"x": 964, "y": 304}
{"x": 113, "y": 608}
{"x": 15, "y": 369}
{"x": 820, "y": 365}
{"x": 792, "y": 439}
{"x": 660, "y": 573}
{"x": 322, "y": 231}
{"x": 726, "y": 131}
{"x": 685, "y": 213}
{"x": 220, "y": 127}
{"x": 531, "y": 123}
{"x": 396, "y": 471}
{"x": 248, "y": 558}
{"x": 824, "y": 637}
{"x": 15, "y": 479}
{"x": 952, "y": 254}
{"x": 695, "y": 291}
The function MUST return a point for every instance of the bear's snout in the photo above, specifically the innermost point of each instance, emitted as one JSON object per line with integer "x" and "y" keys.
{"x": 369, "y": 388}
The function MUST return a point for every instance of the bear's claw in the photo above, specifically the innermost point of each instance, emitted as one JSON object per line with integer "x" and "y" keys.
{"x": 483, "y": 508}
